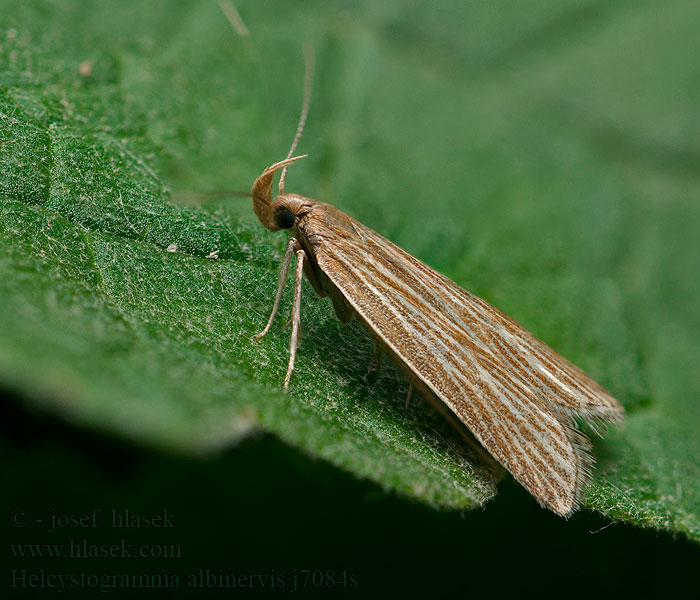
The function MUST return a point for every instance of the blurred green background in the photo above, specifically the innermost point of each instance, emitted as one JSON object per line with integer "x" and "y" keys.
{"x": 544, "y": 155}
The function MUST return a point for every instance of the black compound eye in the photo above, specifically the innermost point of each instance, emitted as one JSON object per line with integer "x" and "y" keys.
{"x": 285, "y": 218}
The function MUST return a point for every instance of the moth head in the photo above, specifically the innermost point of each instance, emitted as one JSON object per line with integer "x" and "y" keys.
{"x": 273, "y": 215}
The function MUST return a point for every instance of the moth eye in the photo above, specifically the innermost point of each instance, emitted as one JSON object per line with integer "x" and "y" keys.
{"x": 285, "y": 218}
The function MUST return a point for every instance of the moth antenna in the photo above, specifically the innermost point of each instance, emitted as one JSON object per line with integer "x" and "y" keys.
{"x": 215, "y": 195}
{"x": 309, "y": 66}
{"x": 234, "y": 17}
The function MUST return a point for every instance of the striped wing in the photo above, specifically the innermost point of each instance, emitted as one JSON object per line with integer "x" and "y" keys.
{"x": 516, "y": 395}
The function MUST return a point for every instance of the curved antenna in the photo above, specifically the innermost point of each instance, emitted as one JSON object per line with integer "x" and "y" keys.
{"x": 309, "y": 65}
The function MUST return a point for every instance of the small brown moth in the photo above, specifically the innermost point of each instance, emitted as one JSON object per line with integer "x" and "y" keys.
{"x": 517, "y": 396}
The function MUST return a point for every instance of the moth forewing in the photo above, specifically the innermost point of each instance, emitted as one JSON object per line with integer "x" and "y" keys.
{"x": 492, "y": 374}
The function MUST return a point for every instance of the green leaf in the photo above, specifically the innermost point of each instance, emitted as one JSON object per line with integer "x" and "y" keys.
{"x": 546, "y": 159}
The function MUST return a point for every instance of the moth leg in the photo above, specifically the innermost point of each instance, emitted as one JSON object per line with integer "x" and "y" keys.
{"x": 376, "y": 362}
{"x": 408, "y": 396}
{"x": 296, "y": 317}
{"x": 280, "y": 286}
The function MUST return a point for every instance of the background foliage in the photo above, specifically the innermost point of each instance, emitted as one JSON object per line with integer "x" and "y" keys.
{"x": 545, "y": 156}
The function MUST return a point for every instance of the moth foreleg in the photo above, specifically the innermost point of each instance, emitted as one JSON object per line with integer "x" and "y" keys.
{"x": 296, "y": 317}
{"x": 280, "y": 285}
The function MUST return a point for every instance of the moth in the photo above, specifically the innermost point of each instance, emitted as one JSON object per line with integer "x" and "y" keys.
{"x": 517, "y": 396}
